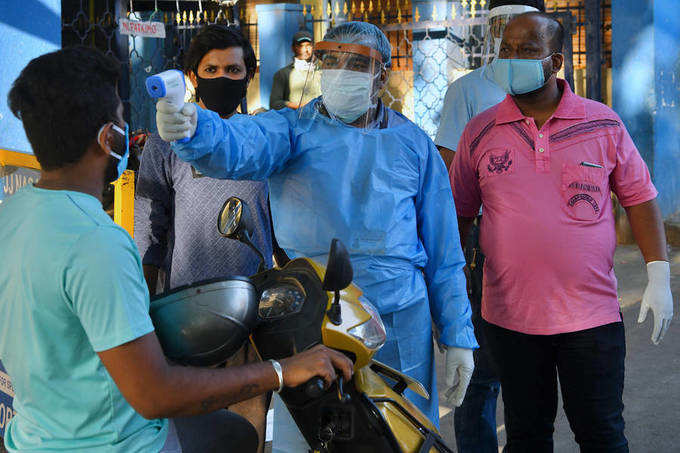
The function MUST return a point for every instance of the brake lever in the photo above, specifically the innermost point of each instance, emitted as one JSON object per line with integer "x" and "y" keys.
{"x": 342, "y": 396}
{"x": 315, "y": 387}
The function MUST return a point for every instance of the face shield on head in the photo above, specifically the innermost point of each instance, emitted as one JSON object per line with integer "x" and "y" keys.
{"x": 498, "y": 18}
{"x": 350, "y": 77}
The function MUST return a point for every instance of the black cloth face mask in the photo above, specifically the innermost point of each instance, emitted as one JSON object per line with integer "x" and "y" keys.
{"x": 221, "y": 94}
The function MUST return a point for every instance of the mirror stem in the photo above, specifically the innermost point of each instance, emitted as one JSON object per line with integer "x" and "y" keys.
{"x": 261, "y": 267}
{"x": 246, "y": 240}
{"x": 334, "y": 314}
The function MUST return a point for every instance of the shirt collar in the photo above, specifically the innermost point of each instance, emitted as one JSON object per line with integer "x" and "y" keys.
{"x": 570, "y": 107}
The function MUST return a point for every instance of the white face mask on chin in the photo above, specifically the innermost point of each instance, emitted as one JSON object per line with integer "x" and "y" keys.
{"x": 302, "y": 65}
{"x": 346, "y": 94}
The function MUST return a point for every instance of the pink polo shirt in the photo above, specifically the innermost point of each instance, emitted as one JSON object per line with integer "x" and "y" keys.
{"x": 548, "y": 225}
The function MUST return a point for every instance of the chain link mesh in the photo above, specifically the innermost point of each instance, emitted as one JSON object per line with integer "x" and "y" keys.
{"x": 95, "y": 24}
{"x": 435, "y": 43}
{"x": 427, "y": 58}
{"x": 430, "y": 49}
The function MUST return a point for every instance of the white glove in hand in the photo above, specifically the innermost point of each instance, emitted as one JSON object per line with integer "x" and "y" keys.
{"x": 658, "y": 298}
{"x": 459, "y": 367}
{"x": 175, "y": 124}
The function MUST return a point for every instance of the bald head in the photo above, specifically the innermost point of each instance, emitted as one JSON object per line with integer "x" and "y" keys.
{"x": 536, "y": 29}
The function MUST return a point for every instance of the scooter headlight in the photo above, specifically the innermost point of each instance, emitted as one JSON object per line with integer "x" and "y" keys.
{"x": 372, "y": 332}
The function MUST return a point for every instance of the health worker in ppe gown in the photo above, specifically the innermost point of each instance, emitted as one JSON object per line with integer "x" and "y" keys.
{"x": 347, "y": 167}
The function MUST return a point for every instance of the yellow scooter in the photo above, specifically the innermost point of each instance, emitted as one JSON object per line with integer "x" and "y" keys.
{"x": 302, "y": 304}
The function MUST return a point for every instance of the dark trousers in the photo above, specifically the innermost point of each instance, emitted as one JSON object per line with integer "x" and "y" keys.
{"x": 590, "y": 366}
{"x": 216, "y": 432}
{"x": 475, "y": 419}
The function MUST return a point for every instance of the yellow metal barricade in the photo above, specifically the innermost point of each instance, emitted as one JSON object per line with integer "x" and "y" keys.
{"x": 15, "y": 159}
{"x": 124, "y": 188}
{"x": 124, "y": 201}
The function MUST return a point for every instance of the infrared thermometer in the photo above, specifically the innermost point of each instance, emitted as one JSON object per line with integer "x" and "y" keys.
{"x": 169, "y": 85}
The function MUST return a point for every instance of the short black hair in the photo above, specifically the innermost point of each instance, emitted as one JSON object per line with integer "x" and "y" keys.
{"x": 219, "y": 37}
{"x": 553, "y": 30}
{"x": 63, "y": 98}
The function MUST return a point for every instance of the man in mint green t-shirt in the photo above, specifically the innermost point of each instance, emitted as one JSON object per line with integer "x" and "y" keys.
{"x": 75, "y": 334}
{"x": 72, "y": 291}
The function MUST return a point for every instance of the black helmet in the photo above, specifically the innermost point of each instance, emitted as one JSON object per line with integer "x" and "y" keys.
{"x": 205, "y": 323}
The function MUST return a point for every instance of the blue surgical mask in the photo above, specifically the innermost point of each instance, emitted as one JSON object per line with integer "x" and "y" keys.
{"x": 120, "y": 148}
{"x": 518, "y": 76}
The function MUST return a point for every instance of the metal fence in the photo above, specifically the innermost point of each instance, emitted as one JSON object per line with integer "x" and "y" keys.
{"x": 430, "y": 48}
{"x": 95, "y": 23}
{"x": 433, "y": 45}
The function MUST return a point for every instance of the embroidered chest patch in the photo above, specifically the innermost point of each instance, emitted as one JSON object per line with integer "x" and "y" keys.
{"x": 584, "y": 197}
{"x": 499, "y": 163}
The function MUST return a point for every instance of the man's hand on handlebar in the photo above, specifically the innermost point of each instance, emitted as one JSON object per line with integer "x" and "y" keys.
{"x": 317, "y": 361}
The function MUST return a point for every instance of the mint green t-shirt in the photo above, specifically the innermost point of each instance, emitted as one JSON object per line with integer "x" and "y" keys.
{"x": 71, "y": 284}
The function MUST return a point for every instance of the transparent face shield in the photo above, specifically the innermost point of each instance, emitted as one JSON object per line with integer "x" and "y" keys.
{"x": 343, "y": 84}
{"x": 497, "y": 21}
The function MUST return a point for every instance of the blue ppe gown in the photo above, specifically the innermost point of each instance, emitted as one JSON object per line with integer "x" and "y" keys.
{"x": 383, "y": 191}
{"x": 475, "y": 419}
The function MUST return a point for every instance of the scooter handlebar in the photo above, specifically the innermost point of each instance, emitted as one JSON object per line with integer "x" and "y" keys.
{"x": 315, "y": 387}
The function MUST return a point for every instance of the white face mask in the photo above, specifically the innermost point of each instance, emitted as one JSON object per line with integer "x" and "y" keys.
{"x": 346, "y": 94}
{"x": 302, "y": 65}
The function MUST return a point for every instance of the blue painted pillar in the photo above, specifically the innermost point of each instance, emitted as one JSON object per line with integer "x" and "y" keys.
{"x": 27, "y": 30}
{"x": 276, "y": 25}
{"x": 666, "y": 164}
{"x": 429, "y": 65}
{"x": 647, "y": 88}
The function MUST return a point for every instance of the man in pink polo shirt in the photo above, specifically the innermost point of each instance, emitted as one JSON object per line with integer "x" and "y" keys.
{"x": 543, "y": 163}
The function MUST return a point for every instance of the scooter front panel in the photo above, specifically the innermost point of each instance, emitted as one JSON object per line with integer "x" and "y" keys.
{"x": 281, "y": 338}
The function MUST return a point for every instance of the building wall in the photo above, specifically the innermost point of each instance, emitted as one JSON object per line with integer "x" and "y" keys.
{"x": 646, "y": 89}
{"x": 27, "y": 30}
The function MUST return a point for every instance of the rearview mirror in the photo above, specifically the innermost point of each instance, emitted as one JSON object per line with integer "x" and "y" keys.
{"x": 233, "y": 220}
{"x": 339, "y": 273}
